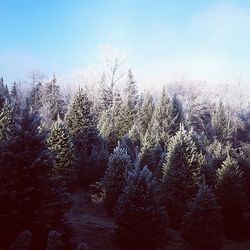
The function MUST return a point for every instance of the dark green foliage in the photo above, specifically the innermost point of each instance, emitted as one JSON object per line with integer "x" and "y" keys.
{"x": 181, "y": 174}
{"x": 114, "y": 179}
{"x": 202, "y": 223}
{"x": 60, "y": 144}
{"x": 28, "y": 196}
{"x": 232, "y": 199}
{"x": 141, "y": 222}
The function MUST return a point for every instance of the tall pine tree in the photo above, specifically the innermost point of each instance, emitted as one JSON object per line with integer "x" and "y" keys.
{"x": 28, "y": 196}
{"x": 181, "y": 174}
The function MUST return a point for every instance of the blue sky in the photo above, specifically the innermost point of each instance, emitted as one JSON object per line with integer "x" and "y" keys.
{"x": 203, "y": 39}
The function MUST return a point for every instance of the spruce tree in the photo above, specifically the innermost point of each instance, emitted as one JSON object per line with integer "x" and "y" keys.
{"x": 35, "y": 97}
{"x": 81, "y": 122}
{"x": 114, "y": 179}
{"x": 142, "y": 223}
{"x": 163, "y": 118}
{"x": 202, "y": 223}
{"x": 53, "y": 103}
{"x": 4, "y": 93}
{"x": 6, "y": 118}
{"x": 28, "y": 196}
{"x": 147, "y": 154}
{"x": 145, "y": 114}
{"x": 181, "y": 174}
{"x": 221, "y": 125}
{"x": 232, "y": 199}
{"x": 60, "y": 144}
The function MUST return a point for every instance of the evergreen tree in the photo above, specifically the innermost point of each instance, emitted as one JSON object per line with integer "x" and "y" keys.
{"x": 145, "y": 114}
{"x": 202, "y": 223}
{"x": 5, "y": 121}
{"x": 232, "y": 199}
{"x": 53, "y": 103}
{"x": 16, "y": 98}
{"x": 35, "y": 97}
{"x": 181, "y": 174}
{"x": 111, "y": 124}
{"x": 4, "y": 93}
{"x": 147, "y": 154}
{"x": 28, "y": 196}
{"x": 134, "y": 134}
{"x": 60, "y": 144}
{"x": 114, "y": 179}
{"x": 131, "y": 93}
{"x": 81, "y": 123}
{"x": 141, "y": 222}
{"x": 221, "y": 125}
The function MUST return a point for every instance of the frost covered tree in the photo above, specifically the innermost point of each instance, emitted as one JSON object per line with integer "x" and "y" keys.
{"x": 145, "y": 114}
{"x": 142, "y": 223}
{"x": 60, "y": 143}
{"x": 114, "y": 179}
{"x": 202, "y": 224}
{"x": 35, "y": 96}
{"x": 52, "y": 102}
{"x": 181, "y": 174}
{"x": 6, "y": 119}
{"x": 232, "y": 199}
{"x": 147, "y": 153}
{"x": 28, "y": 197}
{"x": 221, "y": 124}
{"x": 4, "y": 93}
{"x": 81, "y": 122}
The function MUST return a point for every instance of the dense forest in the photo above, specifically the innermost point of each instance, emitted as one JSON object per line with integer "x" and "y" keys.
{"x": 176, "y": 161}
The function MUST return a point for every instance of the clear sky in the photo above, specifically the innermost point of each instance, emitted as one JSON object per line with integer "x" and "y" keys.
{"x": 205, "y": 39}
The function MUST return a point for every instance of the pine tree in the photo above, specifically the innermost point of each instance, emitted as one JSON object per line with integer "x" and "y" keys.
{"x": 141, "y": 222}
{"x": 28, "y": 196}
{"x": 202, "y": 223}
{"x": 53, "y": 103}
{"x": 115, "y": 176}
{"x": 147, "y": 154}
{"x": 181, "y": 174}
{"x": 145, "y": 114}
{"x": 81, "y": 122}
{"x": 4, "y": 93}
{"x": 232, "y": 199}
{"x": 16, "y": 98}
{"x": 60, "y": 144}
{"x": 35, "y": 97}
{"x": 5, "y": 121}
{"x": 221, "y": 125}
{"x": 130, "y": 91}
{"x": 162, "y": 118}
{"x": 111, "y": 123}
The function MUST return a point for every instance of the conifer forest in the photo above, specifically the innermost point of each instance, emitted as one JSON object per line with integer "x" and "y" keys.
{"x": 122, "y": 169}
{"x": 124, "y": 125}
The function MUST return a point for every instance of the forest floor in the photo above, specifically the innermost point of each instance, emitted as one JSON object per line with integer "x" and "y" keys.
{"x": 89, "y": 223}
